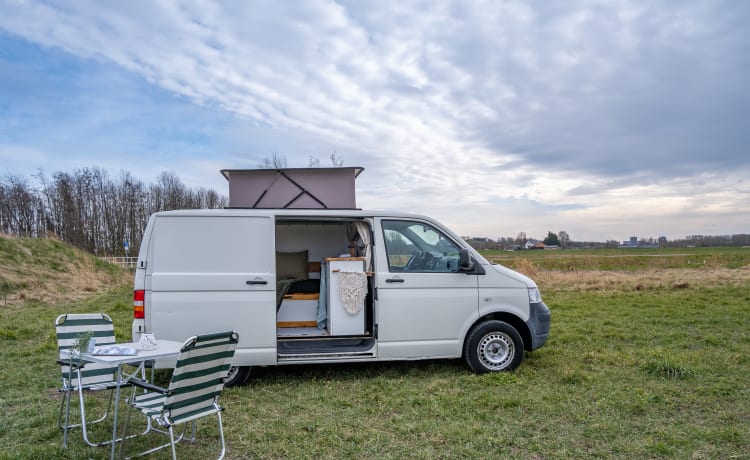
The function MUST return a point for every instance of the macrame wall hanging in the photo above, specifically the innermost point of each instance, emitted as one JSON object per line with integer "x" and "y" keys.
{"x": 352, "y": 291}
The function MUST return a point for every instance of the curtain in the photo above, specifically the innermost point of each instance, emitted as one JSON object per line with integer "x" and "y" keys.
{"x": 364, "y": 234}
{"x": 322, "y": 316}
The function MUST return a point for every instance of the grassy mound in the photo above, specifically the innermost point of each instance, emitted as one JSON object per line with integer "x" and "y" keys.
{"x": 50, "y": 271}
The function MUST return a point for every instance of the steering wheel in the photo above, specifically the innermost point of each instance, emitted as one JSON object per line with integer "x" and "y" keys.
{"x": 415, "y": 256}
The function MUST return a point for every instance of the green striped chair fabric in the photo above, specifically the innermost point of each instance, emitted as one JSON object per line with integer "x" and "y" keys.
{"x": 80, "y": 375}
{"x": 196, "y": 383}
{"x": 93, "y": 375}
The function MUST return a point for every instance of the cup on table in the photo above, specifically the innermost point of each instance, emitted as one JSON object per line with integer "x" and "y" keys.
{"x": 90, "y": 346}
{"x": 147, "y": 342}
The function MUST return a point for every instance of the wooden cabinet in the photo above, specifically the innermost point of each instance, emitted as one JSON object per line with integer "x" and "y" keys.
{"x": 341, "y": 321}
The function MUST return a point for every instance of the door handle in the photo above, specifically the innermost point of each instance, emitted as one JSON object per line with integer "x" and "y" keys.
{"x": 251, "y": 282}
{"x": 394, "y": 280}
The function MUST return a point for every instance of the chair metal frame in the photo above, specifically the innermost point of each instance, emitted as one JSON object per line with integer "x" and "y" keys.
{"x": 79, "y": 375}
{"x": 194, "y": 388}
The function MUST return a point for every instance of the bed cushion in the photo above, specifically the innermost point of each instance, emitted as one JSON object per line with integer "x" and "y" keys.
{"x": 305, "y": 286}
{"x": 291, "y": 265}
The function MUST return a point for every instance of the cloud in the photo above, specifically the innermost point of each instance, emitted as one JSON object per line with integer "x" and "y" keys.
{"x": 11, "y": 154}
{"x": 475, "y": 105}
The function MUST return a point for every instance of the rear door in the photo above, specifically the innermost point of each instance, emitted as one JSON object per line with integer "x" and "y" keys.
{"x": 214, "y": 273}
{"x": 424, "y": 304}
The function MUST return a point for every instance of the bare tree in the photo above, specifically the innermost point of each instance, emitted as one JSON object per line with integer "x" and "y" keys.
{"x": 521, "y": 239}
{"x": 90, "y": 210}
{"x": 275, "y": 161}
{"x": 21, "y": 210}
{"x": 313, "y": 162}
{"x": 336, "y": 160}
{"x": 173, "y": 191}
{"x": 564, "y": 238}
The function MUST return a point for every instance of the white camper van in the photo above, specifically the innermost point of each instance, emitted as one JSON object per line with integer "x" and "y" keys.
{"x": 332, "y": 286}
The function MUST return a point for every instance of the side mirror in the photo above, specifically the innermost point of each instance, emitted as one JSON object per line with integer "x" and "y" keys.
{"x": 465, "y": 262}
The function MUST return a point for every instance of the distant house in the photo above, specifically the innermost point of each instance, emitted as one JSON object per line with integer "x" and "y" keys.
{"x": 534, "y": 244}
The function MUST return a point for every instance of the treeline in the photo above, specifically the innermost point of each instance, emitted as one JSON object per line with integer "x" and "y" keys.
{"x": 741, "y": 239}
{"x": 91, "y": 210}
{"x": 509, "y": 243}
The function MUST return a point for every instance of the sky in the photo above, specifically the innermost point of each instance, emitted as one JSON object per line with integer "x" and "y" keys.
{"x": 604, "y": 119}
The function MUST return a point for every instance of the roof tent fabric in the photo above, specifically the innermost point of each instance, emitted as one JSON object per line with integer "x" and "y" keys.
{"x": 292, "y": 188}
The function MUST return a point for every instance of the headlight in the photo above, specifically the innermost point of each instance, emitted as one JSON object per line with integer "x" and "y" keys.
{"x": 534, "y": 295}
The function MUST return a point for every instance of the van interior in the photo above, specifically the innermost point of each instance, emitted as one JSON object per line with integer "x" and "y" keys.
{"x": 324, "y": 289}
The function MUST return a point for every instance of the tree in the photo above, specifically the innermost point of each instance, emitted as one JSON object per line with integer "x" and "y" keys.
{"x": 275, "y": 161}
{"x": 521, "y": 239}
{"x": 551, "y": 240}
{"x": 564, "y": 238}
{"x": 21, "y": 209}
{"x": 90, "y": 210}
{"x": 313, "y": 162}
{"x": 506, "y": 242}
{"x": 336, "y": 160}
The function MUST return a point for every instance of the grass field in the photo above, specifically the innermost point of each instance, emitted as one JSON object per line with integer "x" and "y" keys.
{"x": 625, "y": 259}
{"x": 644, "y": 361}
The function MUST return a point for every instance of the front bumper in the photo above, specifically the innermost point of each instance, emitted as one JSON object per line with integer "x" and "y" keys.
{"x": 539, "y": 324}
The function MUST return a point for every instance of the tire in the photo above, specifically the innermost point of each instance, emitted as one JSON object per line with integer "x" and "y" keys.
{"x": 237, "y": 376}
{"x": 493, "y": 346}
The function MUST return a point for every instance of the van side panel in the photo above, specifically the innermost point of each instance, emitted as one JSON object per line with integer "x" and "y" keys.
{"x": 422, "y": 318}
{"x": 199, "y": 268}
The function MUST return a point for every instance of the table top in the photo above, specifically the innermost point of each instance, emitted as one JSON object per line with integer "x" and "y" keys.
{"x": 164, "y": 349}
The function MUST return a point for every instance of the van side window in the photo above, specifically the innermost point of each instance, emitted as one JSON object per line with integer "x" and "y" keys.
{"x": 418, "y": 247}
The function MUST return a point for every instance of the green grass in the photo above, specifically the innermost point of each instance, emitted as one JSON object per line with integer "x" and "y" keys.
{"x": 50, "y": 253}
{"x": 625, "y": 259}
{"x": 46, "y": 270}
{"x": 659, "y": 373}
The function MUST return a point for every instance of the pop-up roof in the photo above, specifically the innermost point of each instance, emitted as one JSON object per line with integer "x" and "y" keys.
{"x": 292, "y": 188}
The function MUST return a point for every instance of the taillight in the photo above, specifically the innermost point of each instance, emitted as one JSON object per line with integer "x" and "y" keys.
{"x": 138, "y": 309}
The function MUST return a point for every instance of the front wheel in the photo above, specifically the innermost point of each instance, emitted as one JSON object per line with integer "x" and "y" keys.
{"x": 237, "y": 376}
{"x": 493, "y": 346}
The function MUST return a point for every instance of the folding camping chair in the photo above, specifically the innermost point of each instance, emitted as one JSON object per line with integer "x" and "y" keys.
{"x": 80, "y": 375}
{"x": 194, "y": 389}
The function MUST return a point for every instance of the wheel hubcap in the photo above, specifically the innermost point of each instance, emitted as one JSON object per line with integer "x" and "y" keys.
{"x": 232, "y": 373}
{"x": 496, "y": 350}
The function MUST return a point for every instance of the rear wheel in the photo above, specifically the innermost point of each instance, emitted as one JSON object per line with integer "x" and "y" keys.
{"x": 493, "y": 346}
{"x": 237, "y": 376}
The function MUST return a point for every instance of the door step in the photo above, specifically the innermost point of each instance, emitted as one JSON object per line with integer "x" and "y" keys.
{"x": 325, "y": 348}
{"x": 332, "y": 357}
